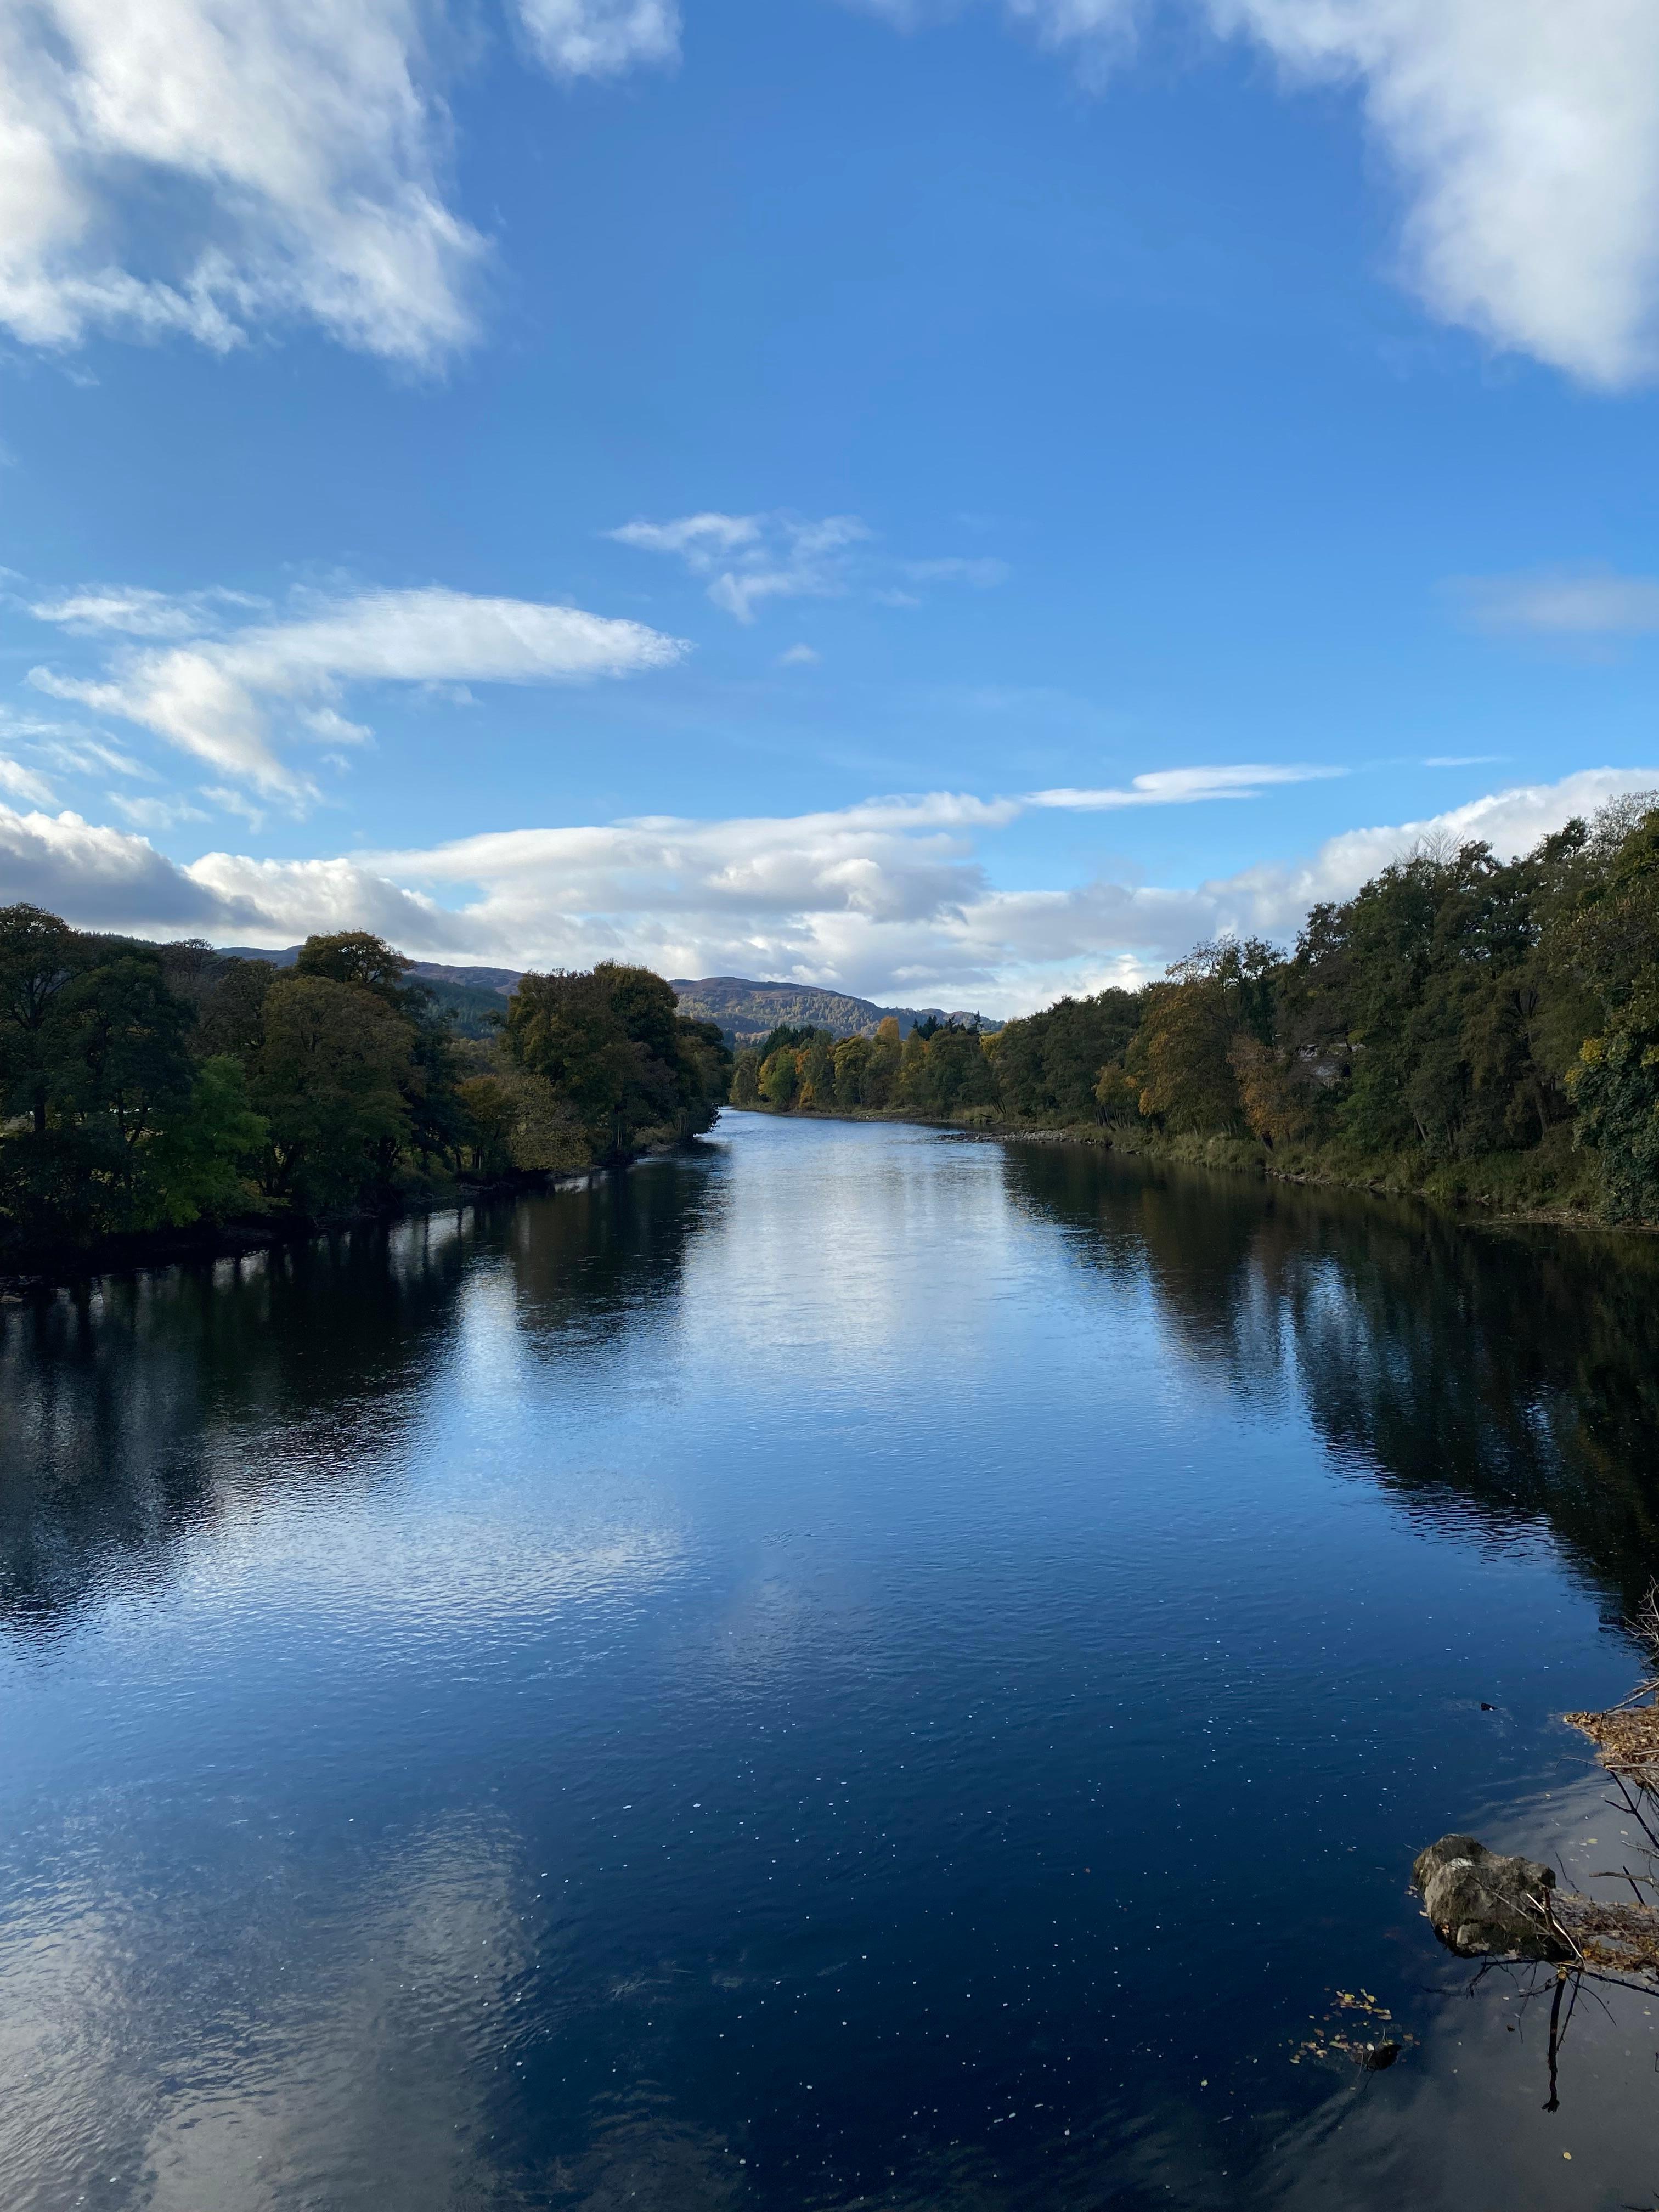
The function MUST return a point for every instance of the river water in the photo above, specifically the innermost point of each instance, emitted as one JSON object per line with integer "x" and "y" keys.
{"x": 854, "y": 1667}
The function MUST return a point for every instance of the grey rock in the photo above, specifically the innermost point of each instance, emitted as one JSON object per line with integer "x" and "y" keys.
{"x": 1482, "y": 1904}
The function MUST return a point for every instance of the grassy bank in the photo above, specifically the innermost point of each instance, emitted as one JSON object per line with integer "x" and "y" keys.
{"x": 1552, "y": 1182}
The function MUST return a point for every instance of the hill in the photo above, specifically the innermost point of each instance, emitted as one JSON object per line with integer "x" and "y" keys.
{"x": 476, "y": 996}
{"x": 747, "y": 1012}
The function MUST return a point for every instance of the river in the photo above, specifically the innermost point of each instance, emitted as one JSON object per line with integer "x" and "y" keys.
{"x": 853, "y": 1667}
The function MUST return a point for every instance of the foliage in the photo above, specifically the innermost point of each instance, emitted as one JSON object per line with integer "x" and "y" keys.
{"x": 331, "y": 1078}
{"x": 144, "y": 1086}
{"x": 1049, "y": 1064}
{"x": 1481, "y": 1028}
{"x": 614, "y": 1045}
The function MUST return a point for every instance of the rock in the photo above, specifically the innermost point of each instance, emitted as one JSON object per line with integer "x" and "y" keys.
{"x": 1481, "y": 1903}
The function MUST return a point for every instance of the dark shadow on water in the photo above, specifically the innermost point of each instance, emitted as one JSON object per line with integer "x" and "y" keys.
{"x": 1507, "y": 1377}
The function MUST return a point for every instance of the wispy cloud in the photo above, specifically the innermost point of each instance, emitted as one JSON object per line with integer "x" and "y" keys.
{"x": 155, "y": 814}
{"x": 25, "y": 783}
{"x": 136, "y": 611}
{"x": 981, "y": 575}
{"x": 1185, "y": 786}
{"x": 230, "y": 700}
{"x": 1582, "y": 603}
{"x": 747, "y": 559}
{"x": 603, "y": 38}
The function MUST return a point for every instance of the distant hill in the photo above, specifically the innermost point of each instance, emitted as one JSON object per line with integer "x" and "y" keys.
{"x": 476, "y": 996}
{"x": 747, "y": 1012}
{"x": 499, "y": 980}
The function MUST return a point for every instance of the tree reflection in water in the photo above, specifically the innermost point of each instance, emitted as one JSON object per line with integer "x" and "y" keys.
{"x": 1502, "y": 1377}
{"x": 142, "y": 1407}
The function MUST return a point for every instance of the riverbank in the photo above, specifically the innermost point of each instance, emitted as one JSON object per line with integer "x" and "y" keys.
{"x": 29, "y": 1273}
{"x": 1553, "y": 1185}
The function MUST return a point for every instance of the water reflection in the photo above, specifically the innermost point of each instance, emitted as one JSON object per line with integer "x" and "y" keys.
{"x": 859, "y": 1667}
{"x": 139, "y": 1409}
{"x": 1492, "y": 1378}
{"x": 347, "y": 2042}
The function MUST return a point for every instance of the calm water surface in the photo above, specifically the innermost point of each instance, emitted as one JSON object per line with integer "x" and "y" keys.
{"x": 857, "y": 1668}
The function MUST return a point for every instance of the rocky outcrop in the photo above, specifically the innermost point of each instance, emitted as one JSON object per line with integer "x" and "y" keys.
{"x": 1483, "y": 1905}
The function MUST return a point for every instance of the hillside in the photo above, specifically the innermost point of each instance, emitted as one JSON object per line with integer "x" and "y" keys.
{"x": 476, "y": 996}
{"x": 747, "y": 1012}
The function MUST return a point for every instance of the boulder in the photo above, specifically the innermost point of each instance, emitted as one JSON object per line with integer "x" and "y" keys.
{"x": 1482, "y": 1904}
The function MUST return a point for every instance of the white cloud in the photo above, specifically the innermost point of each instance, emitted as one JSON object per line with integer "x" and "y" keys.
{"x": 1525, "y": 134}
{"x": 1272, "y": 898}
{"x": 799, "y": 656}
{"x": 1184, "y": 786}
{"x": 102, "y": 878}
{"x": 602, "y": 38}
{"x": 1095, "y": 33}
{"x": 138, "y": 612}
{"x": 749, "y": 558}
{"x": 298, "y": 153}
{"x": 76, "y": 753}
{"x": 156, "y": 814}
{"x": 889, "y": 898}
{"x": 224, "y": 700}
{"x": 24, "y": 783}
{"x": 1586, "y": 603}
{"x": 216, "y": 167}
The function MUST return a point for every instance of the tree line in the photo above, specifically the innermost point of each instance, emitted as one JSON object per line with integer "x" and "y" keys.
{"x": 1472, "y": 1026}
{"x": 153, "y": 1086}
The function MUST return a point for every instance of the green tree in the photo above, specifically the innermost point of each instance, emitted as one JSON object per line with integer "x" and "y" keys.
{"x": 38, "y": 957}
{"x": 780, "y": 1073}
{"x": 852, "y": 1060}
{"x": 230, "y": 1009}
{"x": 912, "y": 1070}
{"x": 614, "y": 1046}
{"x": 1048, "y": 1064}
{"x": 563, "y": 1027}
{"x": 203, "y": 1160}
{"x": 1614, "y": 935}
{"x": 124, "y": 1074}
{"x": 330, "y": 1080}
{"x": 364, "y": 960}
{"x": 746, "y": 1077}
{"x": 952, "y": 1072}
{"x": 818, "y": 1072}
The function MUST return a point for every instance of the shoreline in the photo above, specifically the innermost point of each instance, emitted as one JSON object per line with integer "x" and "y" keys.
{"x": 1224, "y": 1155}
{"x": 38, "y": 1274}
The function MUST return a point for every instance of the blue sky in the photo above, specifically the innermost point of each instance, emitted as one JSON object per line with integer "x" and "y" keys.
{"x": 954, "y": 503}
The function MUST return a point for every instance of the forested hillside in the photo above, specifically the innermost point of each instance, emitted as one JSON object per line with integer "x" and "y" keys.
{"x": 147, "y": 1086}
{"x": 748, "y": 1012}
{"x": 1471, "y": 1027}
